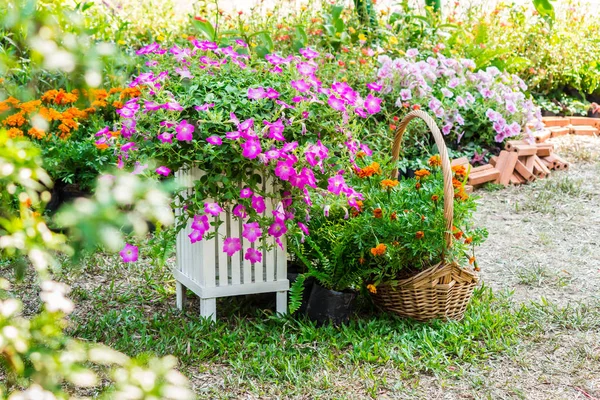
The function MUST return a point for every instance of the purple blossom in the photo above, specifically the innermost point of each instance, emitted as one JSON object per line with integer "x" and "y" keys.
{"x": 305, "y": 68}
{"x": 232, "y": 246}
{"x": 277, "y": 229}
{"x": 200, "y": 224}
{"x": 246, "y": 193}
{"x": 213, "y": 209}
{"x": 195, "y": 236}
{"x": 204, "y": 107}
{"x": 253, "y": 255}
{"x": 304, "y": 228}
{"x": 372, "y": 104}
{"x": 162, "y": 170}
{"x": 405, "y": 94}
{"x": 184, "y": 73}
{"x": 256, "y": 93}
{"x": 251, "y": 149}
{"x": 271, "y": 93}
{"x": 336, "y": 104}
{"x": 172, "y": 106}
{"x": 285, "y": 170}
{"x": 300, "y": 85}
{"x": 274, "y": 59}
{"x": 412, "y": 53}
{"x": 447, "y": 93}
{"x": 252, "y": 231}
{"x": 258, "y": 203}
{"x": 103, "y": 132}
{"x": 184, "y": 131}
{"x": 214, "y": 140}
{"x": 129, "y": 253}
{"x": 308, "y": 53}
{"x": 241, "y": 43}
{"x": 165, "y": 137}
{"x": 275, "y": 130}
{"x": 336, "y": 184}
{"x": 151, "y": 48}
{"x": 361, "y": 112}
{"x": 240, "y": 211}
{"x": 374, "y": 86}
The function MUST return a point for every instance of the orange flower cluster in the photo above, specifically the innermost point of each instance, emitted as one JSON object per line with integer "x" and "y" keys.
{"x": 435, "y": 161}
{"x": 371, "y": 288}
{"x": 378, "y": 213}
{"x": 419, "y": 234}
{"x": 389, "y": 183}
{"x": 379, "y": 250}
{"x": 57, "y": 109}
{"x": 422, "y": 173}
{"x": 370, "y": 170}
{"x": 459, "y": 170}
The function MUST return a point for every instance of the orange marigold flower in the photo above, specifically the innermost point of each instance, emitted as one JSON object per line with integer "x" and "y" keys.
{"x": 379, "y": 249}
{"x": 471, "y": 260}
{"x": 361, "y": 154}
{"x": 98, "y": 104}
{"x": 4, "y": 106}
{"x": 71, "y": 124}
{"x": 30, "y": 106}
{"x": 422, "y": 173}
{"x": 117, "y": 104}
{"x": 36, "y": 133}
{"x": 393, "y": 216}
{"x": 456, "y": 183}
{"x": 64, "y": 129}
{"x": 14, "y": 132}
{"x": 15, "y": 119}
{"x": 130, "y": 92}
{"x": 115, "y": 134}
{"x": 370, "y": 170}
{"x": 372, "y": 288}
{"x": 49, "y": 95}
{"x": 102, "y": 146}
{"x": 389, "y": 183}
{"x": 378, "y": 213}
{"x": 435, "y": 197}
{"x": 114, "y": 90}
{"x": 435, "y": 161}
{"x": 468, "y": 240}
{"x": 458, "y": 234}
{"x": 461, "y": 195}
{"x": 419, "y": 234}
{"x": 418, "y": 186}
{"x": 459, "y": 170}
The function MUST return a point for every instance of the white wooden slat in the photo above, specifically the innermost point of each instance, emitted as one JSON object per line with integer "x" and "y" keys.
{"x": 223, "y": 259}
{"x": 281, "y": 260}
{"x": 236, "y": 259}
{"x": 269, "y": 255}
{"x": 246, "y": 265}
{"x": 208, "y": 264}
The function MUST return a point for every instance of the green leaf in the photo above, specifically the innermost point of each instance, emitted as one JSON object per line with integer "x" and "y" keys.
{"x": 545, "y": 8}
{"x": 205, "y": 28}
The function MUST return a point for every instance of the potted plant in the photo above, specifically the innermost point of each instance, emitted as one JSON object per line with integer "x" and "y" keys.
{"x": 412, "y": 240}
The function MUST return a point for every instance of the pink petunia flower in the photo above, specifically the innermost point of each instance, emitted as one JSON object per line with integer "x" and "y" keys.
{"x": 184, "y": 131}
{"x": 285, "y": 170}
{"x": 336, "y": 104}
{"x": 165, "y": 137}
{"x": 300, "y": 85}
{"x": 304, "y": 228}
{"x": 213, "y": 209}
{"x": 336, "y": 184}
{"x": 275, "y": 130}
{"x": 129, "y": 253}
{"x": 374, "y": 86}
{"x": 196, "y": 236}
{"x": 271, "y": 93}
{"x": 214, "y": 140}
{"x": 251, "y": 149}
{"x": 306, "y": 69}
{"x": 246, "y": 193}
{"x": 277, "y": 229}
{"x": 252, "y": 231}
{"x": 240, "y": 211}
{"x": 232, "y": 246}
{"x": 163, "y": 171}
{"x": 200, "y": 224}
{"x": 256, "y": 93}
{"x": 372, "y": 104}
{"x": 308, "y": 53}
{"x": 253, "y": 255}
{"x": 258, "y": 203}
{"x": 204, "y": 107}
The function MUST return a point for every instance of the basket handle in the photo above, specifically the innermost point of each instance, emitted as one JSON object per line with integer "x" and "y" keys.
{"x": 446, "y": 167}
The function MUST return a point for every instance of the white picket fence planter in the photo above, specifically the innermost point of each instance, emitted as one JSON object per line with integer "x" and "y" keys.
{"x": 207, "y": 271}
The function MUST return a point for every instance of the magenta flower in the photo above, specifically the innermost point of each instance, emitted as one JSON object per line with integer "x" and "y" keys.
{"x": 163, "y": 171}
{"x": 204, "y": 107}
{"x": 252, "y": 231}
{"x": 374, "y": 86}
{"x": 256, "y": 93}
{"x": 129, "y": 253}
{"x": 285, "y": 170}
{"x": 196, "y": 236}
{"x": 232, "y": 246}
{"x": 284, "y": 104}
{"x": 303, "y": 227}
{"x": 214, "y": 140}
{"x": 305, "y": 68}
{"x": 271, "y": 93}
{"x": 246, "y": 193}
{"x": 308, "y": 53}
{"x": 240, "y": 211}
{"x": 258, "y": 203}
{"x": 128, "y": 146}
{"x": 152, "y": 106}
{"x": 200, "y": 224}
{"x": 251, "y": 149}
{"x": 184, "y": 131}
{"x": 275, "y": 130}
{"x": 103, "y": 132}
{"x": 274, "y": 59}
{"x": 277, "y": 229}
{"x": 253, "y": 255}
{"x": 336, "y": 104}
{"x": 165, "y": 137}
{"x": 372, "y": 104}
{"x": 102, "y": 140}
{"x": 300, "y": 85}
{"x": 405, "y": 94}
{"x": 172, "y": 106}
{"x": 241, "y": 43}
{"x": 366, "y": 149}
{"x": 213, "y": 209}
{"x": 361, "y": 112}
{"x": 336, "y": 184}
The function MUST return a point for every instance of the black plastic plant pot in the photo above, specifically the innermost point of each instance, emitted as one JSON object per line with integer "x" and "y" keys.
{"x": 327, "y": 305}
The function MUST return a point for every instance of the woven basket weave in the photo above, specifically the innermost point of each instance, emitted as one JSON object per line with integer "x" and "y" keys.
{"x": 443, "y": 290}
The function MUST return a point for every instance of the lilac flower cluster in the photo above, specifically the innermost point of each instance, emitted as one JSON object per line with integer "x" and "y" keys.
{"x": 161, "y": 124}
{"x": 451, "y": 90}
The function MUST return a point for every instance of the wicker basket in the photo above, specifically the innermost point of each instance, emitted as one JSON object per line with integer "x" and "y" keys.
{"x": 443, "y": 290}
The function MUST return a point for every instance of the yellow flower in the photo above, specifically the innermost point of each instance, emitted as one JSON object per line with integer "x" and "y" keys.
{"x": 121, "y": 42}
{"x": 393, "y": 40}
{"x": 160, "y": 38}
{"x": 351, "y": 30}
{"x": 372, "y": 288}
{"x": 362, "y": 37}
{"x": 389, "y": 183}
